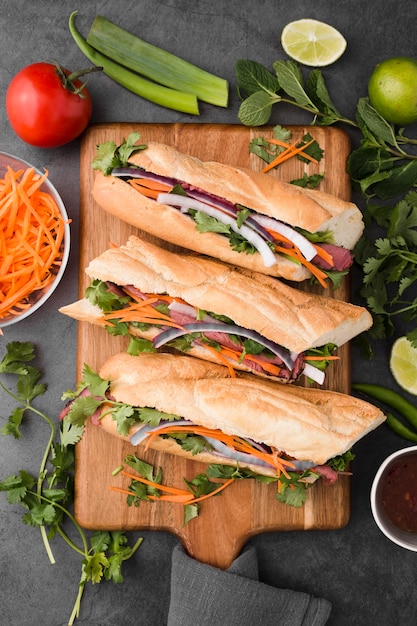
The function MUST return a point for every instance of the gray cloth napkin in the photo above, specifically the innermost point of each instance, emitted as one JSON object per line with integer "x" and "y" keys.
{"x": 202, "y": 595}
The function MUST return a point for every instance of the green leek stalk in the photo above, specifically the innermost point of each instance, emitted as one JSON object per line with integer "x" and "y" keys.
{"x": 164, "y": 96}
{"x": 155, "y": 63}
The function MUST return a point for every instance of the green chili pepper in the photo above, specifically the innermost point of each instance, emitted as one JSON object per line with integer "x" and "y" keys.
{"x": 391, "y": 398}
{"x": 399, "y": 428}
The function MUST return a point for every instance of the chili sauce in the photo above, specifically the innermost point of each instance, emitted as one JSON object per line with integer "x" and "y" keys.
{"x": 399, "y": 493}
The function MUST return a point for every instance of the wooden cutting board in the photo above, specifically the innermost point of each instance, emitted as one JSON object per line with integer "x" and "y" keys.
{"x": 247, "y": 507}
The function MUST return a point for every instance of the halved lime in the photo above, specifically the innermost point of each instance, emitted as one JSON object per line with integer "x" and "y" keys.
{"x": 312, "y": 42}
{"x": 403, "y": 364}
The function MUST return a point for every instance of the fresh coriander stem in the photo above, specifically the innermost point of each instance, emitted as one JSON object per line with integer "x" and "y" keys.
{"x": 42, "y": 471}
{"x": 77, "y": 604}
{"x": 83, "y": 551}
{"x": 134, "y": 548}
{"x": 47, "y": 545}
{"x": 70, "y": 542}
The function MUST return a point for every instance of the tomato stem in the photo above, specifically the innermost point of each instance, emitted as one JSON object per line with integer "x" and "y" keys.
{"x": 68, "y": 80}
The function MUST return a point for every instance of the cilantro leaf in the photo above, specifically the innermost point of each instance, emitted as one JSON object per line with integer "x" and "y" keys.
{"x": 207, "y": 224}
{"x": 293, "y": 497}
{"x": 153, "y": 417}
{"x": 17, "y": 353}
{"x": 12, "y": 426}
{"x": 81, "y": 409}
{"x": 138, "y": 345}
{"x": 194, "y": 444}
{"x": 27, "y": 385}
{"x": 124, "y": 416}
{"x": 109, "y": 155}
{"x": 17, "y": 487}
{"x": 39, "y": 514}
{"x": 97, "y": 385}
{"x": 94, "y": 566}
{"x": 98, "y": 293}
{"x": 70, "y": 434}
{"x": 309, "y": 181}
{"x": 44, "y": 497}
{"x": 190, "y": 513}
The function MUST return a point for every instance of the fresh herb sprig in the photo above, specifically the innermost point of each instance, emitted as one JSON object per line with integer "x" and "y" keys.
{"x": 379, "y": 167}
{"x": 110, "y": 155}
{"x": 48, "y": 496}
{"x": 383, "y": 169}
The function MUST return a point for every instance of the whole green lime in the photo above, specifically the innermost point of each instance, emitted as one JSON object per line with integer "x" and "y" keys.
{"x": 392, "y": 90}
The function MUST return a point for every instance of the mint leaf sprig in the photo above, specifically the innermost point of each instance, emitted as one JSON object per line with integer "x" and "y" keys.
{"x": 47, "y": 498}
{"x": 380, "y": 167}
{"x": 383, "y": 168}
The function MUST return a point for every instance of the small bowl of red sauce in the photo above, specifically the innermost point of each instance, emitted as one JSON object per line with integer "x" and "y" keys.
{"x": 394, "y": 497}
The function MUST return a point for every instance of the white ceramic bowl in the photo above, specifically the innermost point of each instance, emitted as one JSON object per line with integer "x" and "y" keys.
{"x": 400, "y": 537}
{"x": 39, "y": 297}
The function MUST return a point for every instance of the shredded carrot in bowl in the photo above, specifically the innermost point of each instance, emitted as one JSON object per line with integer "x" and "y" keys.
{"x": 34, "y": 239}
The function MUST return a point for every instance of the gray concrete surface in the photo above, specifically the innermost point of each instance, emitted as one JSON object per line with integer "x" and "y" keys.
{"x": 367, "y": 579}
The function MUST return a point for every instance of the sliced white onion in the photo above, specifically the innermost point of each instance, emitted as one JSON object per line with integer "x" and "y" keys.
{"x": 185, "y": 309}
{"x": 242, "y": 457}
{"x": 314, "y": 373}
{"x": 203, "y": 327}
{"x": 305, "y": 246}
{"x": 142, "y": 433}
{"x": 250, "y": 235}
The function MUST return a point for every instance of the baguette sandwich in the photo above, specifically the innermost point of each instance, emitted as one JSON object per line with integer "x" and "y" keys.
{"x": 239, "y": 216}
{"x": 192, "y": 408}
{"x": 211, "y": 310}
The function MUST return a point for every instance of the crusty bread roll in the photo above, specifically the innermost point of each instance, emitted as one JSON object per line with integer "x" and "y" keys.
{"x": 308, "y": 424}
{"x": 289, "y": 317}
{"x": 308, "y": 209}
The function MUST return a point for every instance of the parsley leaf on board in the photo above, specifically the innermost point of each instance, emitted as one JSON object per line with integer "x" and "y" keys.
{"x": 109, "y": 155}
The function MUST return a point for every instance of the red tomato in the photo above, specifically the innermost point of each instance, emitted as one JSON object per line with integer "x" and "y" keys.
{"x": 43, "y": 107}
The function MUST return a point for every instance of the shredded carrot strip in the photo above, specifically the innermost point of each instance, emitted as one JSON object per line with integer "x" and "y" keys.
{"x": 32, "y": 233}
{"x": 150, "y": 483}
{"x": 294, "y": 251}
{"x": 149, "y": 188}
{"x": 142, "y": 312}
{"x": 165, "y": 297}
{"x": 316, "y": 271}
{"x": 324, "y": 254}
{"x": 271, "y": 368}
{"x": 152, "y": 184}
{"x": 121, "y": 490}
{"x": 291, "y": 150}
{"x": 279, "y": 236}
{"x": 186, "y": 499}
{"x": 174, "y": 494}
{"x": 219, "y": 354}
{"x": 234, "y": 442}
{"x": 213, "y": 493}
{"x": 283, "y": 144}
